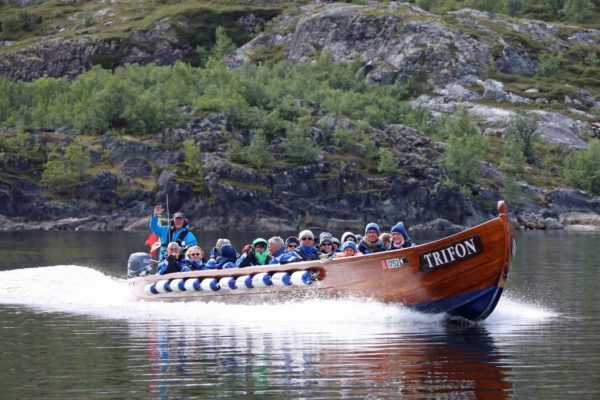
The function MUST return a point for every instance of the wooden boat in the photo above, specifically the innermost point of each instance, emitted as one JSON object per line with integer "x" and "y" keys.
{"x": 462, "y": 275}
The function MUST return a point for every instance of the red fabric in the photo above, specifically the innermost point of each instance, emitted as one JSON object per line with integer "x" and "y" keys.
{"x": 153, "y": 242}
{"x": 152, "y": 238}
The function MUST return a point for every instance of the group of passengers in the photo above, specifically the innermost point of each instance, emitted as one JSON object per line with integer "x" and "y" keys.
{"x": 179, "y": 250}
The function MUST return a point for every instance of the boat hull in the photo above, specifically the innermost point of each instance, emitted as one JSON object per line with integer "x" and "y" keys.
{"x": 462, "y": 275}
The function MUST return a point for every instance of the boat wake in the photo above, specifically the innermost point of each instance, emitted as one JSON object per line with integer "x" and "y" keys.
{"x": 82, "y": 290}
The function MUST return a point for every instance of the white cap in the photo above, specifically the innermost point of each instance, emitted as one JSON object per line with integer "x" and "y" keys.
{"x": 306, "y": 233}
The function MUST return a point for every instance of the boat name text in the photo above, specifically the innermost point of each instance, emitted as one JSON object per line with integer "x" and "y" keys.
{"x": 451, "y": 254}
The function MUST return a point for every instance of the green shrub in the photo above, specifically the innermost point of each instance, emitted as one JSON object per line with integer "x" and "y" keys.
{"x": 77, "y": 157}
{"x": 512, "y": 192}
{"x": 465, "y": 148}
{"x": 223, "y": 44}
{"x": 387, "y": 163}
{"x": 582, "y": 169}
{"x": 20, "y": 22}
{"x": 549, "y": 64}
{"x": 524, "y": 128}
{"x": 192, "y": 158}
{"x": 257, "y": 154}
{"x": 513, "y": 158}
{"x": 62, "y": 174}
{"x": 577, "y": 10}
{"x": 299, "y": 147}
{"x": 553, "y": 7}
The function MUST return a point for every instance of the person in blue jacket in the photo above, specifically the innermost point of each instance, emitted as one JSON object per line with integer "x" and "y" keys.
{"x": 194, "y": 259}
{"x": 307, "y": 249}
{"x": 172, "y": 262}
{"x": 178, "y": 231}
{"x": 280, "y": 253}
{"x": 371, "y": 243}
{"x": 223, "y": 256}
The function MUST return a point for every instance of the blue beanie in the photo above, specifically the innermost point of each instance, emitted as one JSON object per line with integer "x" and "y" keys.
{"x": 349, "y": 245}
{"x": 399, "y": 228}
{"x": 228, "y": 251}
{"x": 372, "y": 226}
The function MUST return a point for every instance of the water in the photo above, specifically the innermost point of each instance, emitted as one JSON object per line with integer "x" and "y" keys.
{"x": 70, "y": 329}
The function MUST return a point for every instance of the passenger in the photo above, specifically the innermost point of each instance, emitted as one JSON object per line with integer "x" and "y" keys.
{"x": 326, "y": 244}
{"x": 348, "y": 250}
{"x": 257, "y": 254}
{"x": 348, "y": 236}
{"x": 307, "y": 249}
{"x": 178, "y": 231}
{"x": 222, "y": 256}
{"x": 386, "y": 239}
{"x": 292, "y": 243}
{"x": 279, "y": 251}
{"x": 194, "y": 259}
{"x": 172, "y": 262}
{"x": 336, "y": 245}
{"x": 276, "y": 248}
{"x": 371, "y": 242}
{"x": 406, "y": 240}
{"x": 215, "y": 251}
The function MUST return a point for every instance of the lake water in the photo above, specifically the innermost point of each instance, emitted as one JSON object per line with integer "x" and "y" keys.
{"x": 70, "y": 330}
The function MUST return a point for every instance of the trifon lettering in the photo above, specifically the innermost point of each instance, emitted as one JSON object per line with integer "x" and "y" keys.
{"x": 451, "y": 254}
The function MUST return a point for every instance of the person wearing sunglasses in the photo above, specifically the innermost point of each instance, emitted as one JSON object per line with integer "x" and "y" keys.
{"x": 194, "y": 258}
{"x": 284, "y": 252}
{"x": 307, "y": 249}
{"x": 326, "y": 244}
{"x": 292, "y": 243}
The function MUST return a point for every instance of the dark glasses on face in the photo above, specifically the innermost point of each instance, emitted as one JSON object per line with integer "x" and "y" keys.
{"x": 292, "y": 246}
{"x": 194, "y": 254}
{"x": 306, "y": 238}
{"x": 327, "y": 244}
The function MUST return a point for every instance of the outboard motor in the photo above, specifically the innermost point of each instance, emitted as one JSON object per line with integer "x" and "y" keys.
{"x": 139, "y": 264}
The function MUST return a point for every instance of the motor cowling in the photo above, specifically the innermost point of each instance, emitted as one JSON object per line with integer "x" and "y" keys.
{"x": 139, "y": 264}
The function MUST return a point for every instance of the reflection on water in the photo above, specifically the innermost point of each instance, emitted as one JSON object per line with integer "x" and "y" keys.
{"x": 456, "y": 361}
{"x": 70, "y": 331}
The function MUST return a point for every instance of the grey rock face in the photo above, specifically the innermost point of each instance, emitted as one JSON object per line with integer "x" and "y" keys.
{"x": 512, "y": 61}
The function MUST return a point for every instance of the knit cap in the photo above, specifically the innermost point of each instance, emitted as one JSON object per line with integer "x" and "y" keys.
{"x": 325, "y": 237}
{"x": 349, "y": 245}
{"x": 372, "y": 226}
{"x": 292, "y": 239}
{"x": 306, "y": 233}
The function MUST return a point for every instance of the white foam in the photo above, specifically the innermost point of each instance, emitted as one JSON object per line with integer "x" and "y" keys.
{"x": 82, "y": 290}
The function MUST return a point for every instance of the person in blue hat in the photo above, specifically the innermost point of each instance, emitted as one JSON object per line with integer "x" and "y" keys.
{"x": 400, "y": 238}
{"x": 348, "y": 249}
{"x": 178, "y": 231}
{"x": 370, "y": 243}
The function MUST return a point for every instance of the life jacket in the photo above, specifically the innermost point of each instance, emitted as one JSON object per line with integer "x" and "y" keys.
{"x": 180, "y": 237}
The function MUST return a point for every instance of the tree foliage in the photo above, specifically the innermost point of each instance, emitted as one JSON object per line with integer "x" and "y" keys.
{"x": 192, "y": 158}
{"x": 523, "y": 127}
{"x": 582, "y": 169}
{"x": 62, "y": 172}
{"x": 465, "y": 148}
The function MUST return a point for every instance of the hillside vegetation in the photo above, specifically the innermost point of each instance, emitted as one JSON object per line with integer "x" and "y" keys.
{"x": 159, "y": 68}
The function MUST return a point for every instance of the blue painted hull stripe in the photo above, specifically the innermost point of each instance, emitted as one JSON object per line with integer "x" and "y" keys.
{"x": 472, "y": 305}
